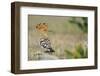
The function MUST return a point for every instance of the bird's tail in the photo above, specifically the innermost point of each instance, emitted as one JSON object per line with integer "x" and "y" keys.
{"x": 51, "y": 50}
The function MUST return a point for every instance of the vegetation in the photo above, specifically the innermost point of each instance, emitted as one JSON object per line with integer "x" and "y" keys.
{"x": 79, "y": 52}
{"x": 82, "y": 24}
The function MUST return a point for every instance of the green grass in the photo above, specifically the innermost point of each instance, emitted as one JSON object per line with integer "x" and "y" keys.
{"x": 79, "y": 52}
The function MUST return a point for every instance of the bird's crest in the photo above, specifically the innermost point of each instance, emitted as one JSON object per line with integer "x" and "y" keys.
{"x": 42, "y": 28}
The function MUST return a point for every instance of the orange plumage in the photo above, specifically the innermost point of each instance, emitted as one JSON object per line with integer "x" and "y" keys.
{"x": 42, "y": 28}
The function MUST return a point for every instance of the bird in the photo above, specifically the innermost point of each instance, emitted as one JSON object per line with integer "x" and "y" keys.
{"x": 45, "y": 43}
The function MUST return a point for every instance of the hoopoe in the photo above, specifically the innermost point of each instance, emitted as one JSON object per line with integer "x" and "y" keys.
{"x": 44, "y": 42}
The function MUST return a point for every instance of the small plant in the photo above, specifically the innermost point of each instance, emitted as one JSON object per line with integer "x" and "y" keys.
{"x": 79, "y": 52}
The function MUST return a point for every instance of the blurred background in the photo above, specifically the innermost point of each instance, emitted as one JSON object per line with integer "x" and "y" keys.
{"x": 68, "y": 36}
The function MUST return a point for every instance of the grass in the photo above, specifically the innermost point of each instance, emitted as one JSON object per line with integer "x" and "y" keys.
{"x": 79, "y": 52}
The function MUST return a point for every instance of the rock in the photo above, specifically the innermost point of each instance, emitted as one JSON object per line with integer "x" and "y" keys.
{"x": 45, "y": 56}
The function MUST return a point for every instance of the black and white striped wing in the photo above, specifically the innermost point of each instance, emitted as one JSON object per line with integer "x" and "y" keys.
{"x": 45, "y": 43}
